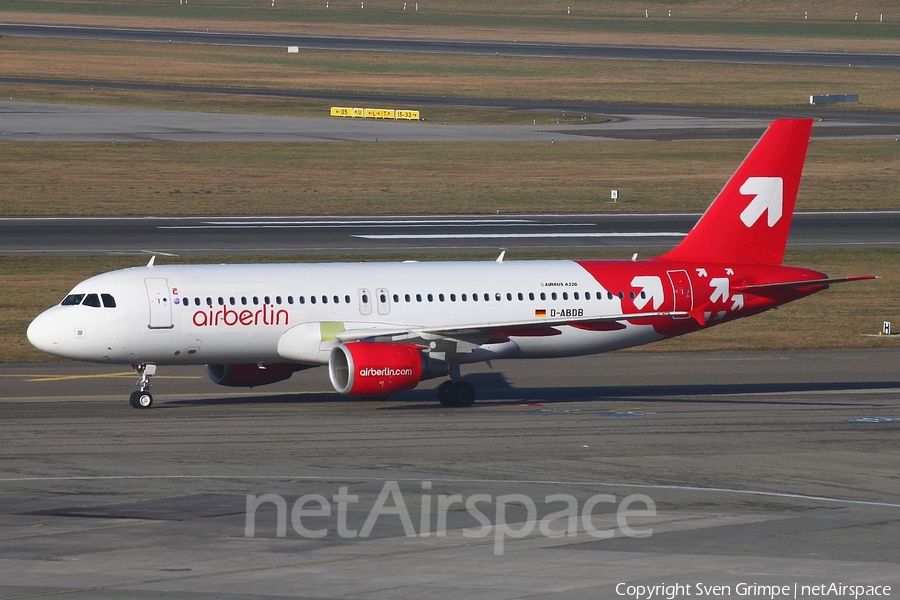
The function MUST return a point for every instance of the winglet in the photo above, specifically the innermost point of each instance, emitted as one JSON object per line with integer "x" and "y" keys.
{"x": 152, "y": 260}
{"x": 699, "y": 315}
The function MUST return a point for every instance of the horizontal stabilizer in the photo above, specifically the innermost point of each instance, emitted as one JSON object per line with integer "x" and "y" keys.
{"x": 800, "y": 284}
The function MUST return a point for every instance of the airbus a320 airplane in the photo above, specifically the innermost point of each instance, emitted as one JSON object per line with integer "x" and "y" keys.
{"x": 384, "y": 327}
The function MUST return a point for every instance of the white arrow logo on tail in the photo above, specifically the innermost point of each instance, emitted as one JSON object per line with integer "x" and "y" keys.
{"x": 768, "y": 196}
{"x": 720, "y": 287}
{"x": 738, "y": 300}
{"x": 652, "y": 288}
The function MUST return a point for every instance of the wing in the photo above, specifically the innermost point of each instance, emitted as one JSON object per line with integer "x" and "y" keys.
{"x": 480, "y": 333}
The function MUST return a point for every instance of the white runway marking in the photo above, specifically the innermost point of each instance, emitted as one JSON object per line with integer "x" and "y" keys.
{"x": 454, "y": 236}
{"x": 367, "y": 225}
{"x": 644, "y": 486}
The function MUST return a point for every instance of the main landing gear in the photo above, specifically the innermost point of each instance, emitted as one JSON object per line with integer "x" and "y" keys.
{"x": 142, "y": 398}
{"x": 456, "y": 394}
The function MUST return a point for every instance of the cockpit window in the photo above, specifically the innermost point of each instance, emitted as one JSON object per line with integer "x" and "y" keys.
{"x": 72, "y": 300}
{"x": 91, "y": 300}
{"x": 108, "y": 301}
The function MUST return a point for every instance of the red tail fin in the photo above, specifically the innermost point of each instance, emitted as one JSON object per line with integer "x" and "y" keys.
{"x": 750, "y": 219}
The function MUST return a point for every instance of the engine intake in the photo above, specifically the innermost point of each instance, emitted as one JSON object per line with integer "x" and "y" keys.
{"x": 377, "y": 369}
{"x": 251, "y": 375}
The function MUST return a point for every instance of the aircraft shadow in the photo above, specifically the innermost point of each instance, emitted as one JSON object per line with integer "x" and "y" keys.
{"x": 494, "y": 389}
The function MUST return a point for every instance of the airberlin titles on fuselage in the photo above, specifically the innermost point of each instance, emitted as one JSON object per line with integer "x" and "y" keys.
{"x": 267, "y": 315}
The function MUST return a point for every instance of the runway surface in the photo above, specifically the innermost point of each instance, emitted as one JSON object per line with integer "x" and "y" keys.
{"x": 365, "y": 235}
{"x": 764, "y": 57}
{"x": 29, "y": 121}
{"x": 766, "y": 468}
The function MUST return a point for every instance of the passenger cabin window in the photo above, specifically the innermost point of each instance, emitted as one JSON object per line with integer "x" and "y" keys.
{"x": 72, "y": 300}
{"x": 108, "y": 301}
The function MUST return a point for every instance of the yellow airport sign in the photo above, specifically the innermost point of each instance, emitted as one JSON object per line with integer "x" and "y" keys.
{"x": 341, "y": 111}
{"x": 379, "y": 113}
{"x": 374, "y": 113}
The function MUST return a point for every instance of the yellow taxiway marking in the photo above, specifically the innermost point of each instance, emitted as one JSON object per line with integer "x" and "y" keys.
{"x": 43, "y": 378}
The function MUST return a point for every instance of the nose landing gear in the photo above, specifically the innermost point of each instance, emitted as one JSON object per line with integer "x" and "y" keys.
{"x": 143, "y": 398}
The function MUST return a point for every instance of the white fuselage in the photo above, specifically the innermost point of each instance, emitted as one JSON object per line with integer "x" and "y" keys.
{"x": 238, "y": 313}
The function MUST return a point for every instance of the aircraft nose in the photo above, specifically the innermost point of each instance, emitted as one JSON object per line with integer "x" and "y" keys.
{"x": 43, "y": 333}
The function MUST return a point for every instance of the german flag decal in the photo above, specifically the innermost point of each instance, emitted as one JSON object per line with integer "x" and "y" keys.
{"x": 540, "y": 312}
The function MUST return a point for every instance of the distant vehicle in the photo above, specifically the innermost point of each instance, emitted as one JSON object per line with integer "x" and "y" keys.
{"x": 382, "y": 328}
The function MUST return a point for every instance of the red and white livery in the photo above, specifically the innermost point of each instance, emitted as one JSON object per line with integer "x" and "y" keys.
{"x": 381, "y": 328}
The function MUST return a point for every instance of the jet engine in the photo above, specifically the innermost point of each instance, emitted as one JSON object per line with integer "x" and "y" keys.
{"x": 379, "y": 369}
{"x": 251, "y": 375}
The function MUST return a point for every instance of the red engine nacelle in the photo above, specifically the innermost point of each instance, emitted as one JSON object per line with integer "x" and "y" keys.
{"x": 378, "y": 369}
{"x": 250, "y": 375}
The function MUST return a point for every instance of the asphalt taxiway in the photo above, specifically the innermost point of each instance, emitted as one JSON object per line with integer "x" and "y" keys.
{"x": 40, "y": 122}
{"x": 379, "y": 235}
{"x": 775, "y": 468}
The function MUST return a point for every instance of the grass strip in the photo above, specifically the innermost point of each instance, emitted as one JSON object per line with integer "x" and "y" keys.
{"x": 691, "y": 83}
{"x": 167, "y": 178}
